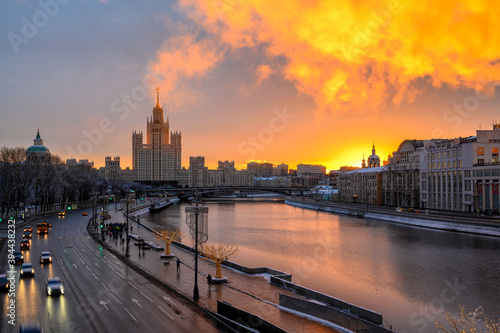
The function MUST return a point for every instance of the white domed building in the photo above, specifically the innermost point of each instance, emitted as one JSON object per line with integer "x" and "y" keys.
{"x": 38, "y": 153}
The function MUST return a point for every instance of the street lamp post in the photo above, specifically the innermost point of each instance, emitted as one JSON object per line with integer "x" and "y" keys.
{"x": 128, "y": 238}
{"x": 199, "y": 236}
{"x": 196, "y": 293}
{"x": 94, "y": 209}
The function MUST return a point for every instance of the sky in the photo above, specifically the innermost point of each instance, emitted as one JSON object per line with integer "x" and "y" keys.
{"x": 313, "y": 82}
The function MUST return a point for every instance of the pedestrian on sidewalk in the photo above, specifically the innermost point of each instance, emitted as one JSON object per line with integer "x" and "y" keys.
{"x": 178, "y": 265}
{"x": 209, "y": 280}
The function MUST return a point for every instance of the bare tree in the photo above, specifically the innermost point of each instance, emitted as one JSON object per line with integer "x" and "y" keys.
{"x": 169, "y": 236}
{"x": 12, "y": 155}
{"x": 42, "y": 183}
{"x": 218, "y": 253}
{"x": 474, "y": 322}
{"x": 56, "y": 159}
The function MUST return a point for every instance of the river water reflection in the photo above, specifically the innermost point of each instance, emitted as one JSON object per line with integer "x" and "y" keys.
{"x": 413, "y": 276}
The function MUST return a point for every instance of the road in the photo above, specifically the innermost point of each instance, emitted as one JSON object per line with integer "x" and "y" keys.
{"x": 102, "y": 294}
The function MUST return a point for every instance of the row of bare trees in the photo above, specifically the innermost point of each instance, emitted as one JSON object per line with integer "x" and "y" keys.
{"x": 42, "y": 184}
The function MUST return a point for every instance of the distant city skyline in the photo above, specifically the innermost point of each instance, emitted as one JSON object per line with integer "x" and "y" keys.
{"x": 283, "y": 88}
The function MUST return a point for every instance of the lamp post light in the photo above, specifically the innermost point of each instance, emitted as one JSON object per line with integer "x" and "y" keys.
{"x": 200, "y": 236}
{"x": 196, "y": 294}
{"x": 128, "y": 238}
{"x": 129, "y": 200}
{"x": 94, "y": 209}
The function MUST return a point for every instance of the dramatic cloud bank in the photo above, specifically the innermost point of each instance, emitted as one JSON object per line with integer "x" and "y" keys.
{"x": 350, "y": 56}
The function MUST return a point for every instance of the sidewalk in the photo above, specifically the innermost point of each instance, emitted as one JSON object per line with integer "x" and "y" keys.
{"x": 250, "y": 293}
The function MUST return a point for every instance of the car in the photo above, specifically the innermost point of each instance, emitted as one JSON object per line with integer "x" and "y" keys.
{"x": 42, "y": 228}
{"x": 85, "y": 214}
{"x": 49, "y": 224}
{"x": 55, "y": 286}
{"x": 25, "y": 244}
{"x": 33, "y": 327}
{"x": 28, "y": 228}
{"x": 27, "y": 235}
{"x": 4, "y": 282}
{"x": 45, "y": 257}
{"x": 399, "y": 210}
{"x": 27, "y": 269}
{"x": 18, "y": 257}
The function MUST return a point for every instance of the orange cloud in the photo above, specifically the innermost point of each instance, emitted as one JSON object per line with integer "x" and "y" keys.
{"x": 357, "y": 55}
{"x": 263, "y": 72}
{"x": 183, "y": 58}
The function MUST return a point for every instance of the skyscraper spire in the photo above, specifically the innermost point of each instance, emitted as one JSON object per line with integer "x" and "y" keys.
{"x": 158, "y": 97}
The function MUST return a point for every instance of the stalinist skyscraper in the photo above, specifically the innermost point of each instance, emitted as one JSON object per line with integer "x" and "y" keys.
{"x": 159, "y": 159}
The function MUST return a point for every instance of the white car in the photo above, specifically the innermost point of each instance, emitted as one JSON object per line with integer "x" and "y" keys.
{"x": 27, "y": 269}
{"x": 45, "y": 257}
{"x": 55, "y": 286}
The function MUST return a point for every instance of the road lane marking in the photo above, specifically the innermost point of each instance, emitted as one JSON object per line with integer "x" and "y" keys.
{"x": 87, "y": 267}
{"x": 136, "y": 302}
{"x": 104, "y": 303}
{"x": 82, "y": 261}
{"x": 169, "y": 299}
{"x": 131, "y": 285}
{"x": 105, "y": 286}
{"x": 116, "y": 298}
{"x": 123, "y": 277}
{"x": 168, "y": 314}
{"x": 143, "y": 294}
{"x": 130, "y": 314}
{"x": 119, "y": 263}
{"x": 96, "y": 264}
{"x": 96, "y": 276}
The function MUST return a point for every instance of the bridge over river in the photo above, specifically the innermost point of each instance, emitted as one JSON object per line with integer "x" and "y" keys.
{"x": 184, "y": 193}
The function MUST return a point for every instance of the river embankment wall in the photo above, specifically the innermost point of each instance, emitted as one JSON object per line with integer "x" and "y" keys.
{"x": 419, "y": 220}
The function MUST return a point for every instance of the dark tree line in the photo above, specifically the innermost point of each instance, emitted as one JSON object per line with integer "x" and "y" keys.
{"x": 30, "y": 184}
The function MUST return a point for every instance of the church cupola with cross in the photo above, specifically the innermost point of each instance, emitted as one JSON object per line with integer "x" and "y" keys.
{"x": 373, "y": 159}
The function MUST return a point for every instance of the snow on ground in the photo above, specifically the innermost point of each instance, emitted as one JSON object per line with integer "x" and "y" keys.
{"x": 316, "y": 319}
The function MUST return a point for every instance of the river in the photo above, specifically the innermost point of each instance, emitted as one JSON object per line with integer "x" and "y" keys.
{"x": 413, "y": 276}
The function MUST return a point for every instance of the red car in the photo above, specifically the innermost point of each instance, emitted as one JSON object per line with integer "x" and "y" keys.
{"x": 25, "y": 244}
